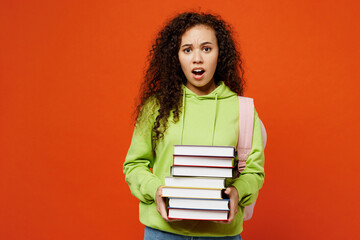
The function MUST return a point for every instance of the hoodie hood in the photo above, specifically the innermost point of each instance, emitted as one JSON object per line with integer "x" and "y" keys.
{"x": 220, "y": 93}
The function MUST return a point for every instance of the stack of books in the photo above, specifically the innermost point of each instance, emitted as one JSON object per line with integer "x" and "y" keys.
{"x": 195, "y": 187}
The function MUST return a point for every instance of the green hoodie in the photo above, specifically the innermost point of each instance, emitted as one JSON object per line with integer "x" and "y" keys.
{"x": 205, "y": 120}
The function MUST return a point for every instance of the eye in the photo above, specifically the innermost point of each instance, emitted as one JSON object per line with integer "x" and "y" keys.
{"x": 206, "y": 49}
{"x": 187, "y": 50}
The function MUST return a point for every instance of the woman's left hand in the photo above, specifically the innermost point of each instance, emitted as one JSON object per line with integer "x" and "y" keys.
{"x": 234, "y": 200}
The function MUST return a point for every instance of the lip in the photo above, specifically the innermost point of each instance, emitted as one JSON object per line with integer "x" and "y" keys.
{"x": 196, "y": 76}
{"x": 197, "y": 68}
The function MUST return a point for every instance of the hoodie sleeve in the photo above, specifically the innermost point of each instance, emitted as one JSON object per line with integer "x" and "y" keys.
{"x": 252, "y": 178}
{"x": 139, "y": 159}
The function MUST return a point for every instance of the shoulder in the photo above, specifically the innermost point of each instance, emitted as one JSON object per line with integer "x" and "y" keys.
{"x": 150, "y": 106}
{"x": 148, "y": 113}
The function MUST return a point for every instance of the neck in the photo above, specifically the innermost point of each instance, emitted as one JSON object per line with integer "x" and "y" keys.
{"x": 203, "y": 90}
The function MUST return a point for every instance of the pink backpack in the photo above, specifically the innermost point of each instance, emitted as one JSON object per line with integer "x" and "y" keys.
{"x": 246, "y": 126}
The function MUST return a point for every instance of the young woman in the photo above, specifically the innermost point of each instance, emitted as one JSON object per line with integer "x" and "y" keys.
{"x": 189, "y": 97}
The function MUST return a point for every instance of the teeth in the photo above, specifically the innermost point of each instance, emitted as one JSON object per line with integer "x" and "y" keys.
{"x": 198, "y": 71}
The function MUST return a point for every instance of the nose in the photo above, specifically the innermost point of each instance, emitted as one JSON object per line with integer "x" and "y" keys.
{"x": 197, "y": 57}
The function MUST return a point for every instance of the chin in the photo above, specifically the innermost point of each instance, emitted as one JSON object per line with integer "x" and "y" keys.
{"x": 200, "y": 85}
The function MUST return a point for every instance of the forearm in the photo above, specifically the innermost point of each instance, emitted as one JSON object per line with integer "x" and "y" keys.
{"x": 142, "y": 183}
{"x": 139, "y": 159}
{"x": 252, "y": 178}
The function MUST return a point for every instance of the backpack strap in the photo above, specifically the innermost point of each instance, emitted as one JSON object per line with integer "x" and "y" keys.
{"x": 246, "y": 127}
{"x": 263, "y": 133}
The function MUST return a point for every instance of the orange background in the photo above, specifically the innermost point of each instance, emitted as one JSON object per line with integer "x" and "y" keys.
{"x": 70, "y": 72}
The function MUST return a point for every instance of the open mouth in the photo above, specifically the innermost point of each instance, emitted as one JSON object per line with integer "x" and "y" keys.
{"x": 198, "y": 72}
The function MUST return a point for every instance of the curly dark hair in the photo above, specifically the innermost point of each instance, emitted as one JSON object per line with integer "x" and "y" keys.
{"x": 164, "y": 77}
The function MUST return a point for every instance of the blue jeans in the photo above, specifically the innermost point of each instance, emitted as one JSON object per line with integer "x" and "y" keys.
{"x": 154, "y": 234}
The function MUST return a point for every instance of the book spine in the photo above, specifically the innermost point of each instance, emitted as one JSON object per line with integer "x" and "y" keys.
{"x": 199, "y": 209}
{"x": 182, "y": 165}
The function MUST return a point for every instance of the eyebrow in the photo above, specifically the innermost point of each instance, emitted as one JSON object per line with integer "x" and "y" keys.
{"x": 189, "y": 44}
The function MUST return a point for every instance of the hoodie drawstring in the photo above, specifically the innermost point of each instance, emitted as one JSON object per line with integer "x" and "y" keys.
{"x": 214, "y": 121}
{"x": 182, "y": 117}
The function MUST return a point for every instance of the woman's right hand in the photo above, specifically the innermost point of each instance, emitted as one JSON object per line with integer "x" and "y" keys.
{"x": 161, "y": 206}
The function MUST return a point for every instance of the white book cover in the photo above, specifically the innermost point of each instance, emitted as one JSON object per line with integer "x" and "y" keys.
{"x": 191, "y": 203}
{"x": 191, "y": 192}
{"x": 201, "y": 171}
{"x": 202, "y": 150}
{"x": 198, "y": 214}
{"x": 198, "y": 182}
{"x": 203, "y": 161}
